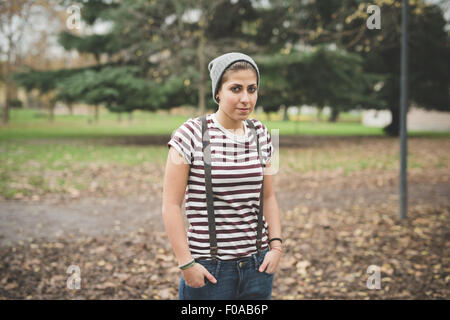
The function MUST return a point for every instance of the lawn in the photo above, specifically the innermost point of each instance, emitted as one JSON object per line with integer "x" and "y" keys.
{"x": 29, "y": 168}
{"x": 38, "y": 157}
{"x": 31, "y": 124}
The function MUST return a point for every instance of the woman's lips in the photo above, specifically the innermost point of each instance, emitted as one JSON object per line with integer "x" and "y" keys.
{"x": 243, "y": 110}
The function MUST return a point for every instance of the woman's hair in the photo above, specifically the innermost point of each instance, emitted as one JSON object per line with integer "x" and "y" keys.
{"x": 238, "y": 65}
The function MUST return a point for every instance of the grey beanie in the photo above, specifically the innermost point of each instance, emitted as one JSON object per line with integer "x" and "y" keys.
{"x": 218, "y": 66}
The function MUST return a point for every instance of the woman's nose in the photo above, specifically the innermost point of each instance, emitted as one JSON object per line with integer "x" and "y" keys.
{"x": 245, "y": 97}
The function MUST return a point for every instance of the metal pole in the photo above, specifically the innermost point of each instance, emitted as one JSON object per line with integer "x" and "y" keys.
{"x": 403, "y": 112}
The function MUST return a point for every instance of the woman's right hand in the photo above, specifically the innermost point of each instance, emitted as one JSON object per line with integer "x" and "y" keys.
{"x": 195, "y": 276}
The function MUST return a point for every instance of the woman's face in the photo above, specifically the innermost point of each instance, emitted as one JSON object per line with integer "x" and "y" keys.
{"x": 238, "y": 94}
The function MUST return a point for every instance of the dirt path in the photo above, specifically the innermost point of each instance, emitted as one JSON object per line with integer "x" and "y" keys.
{"x": 22, "y": 221}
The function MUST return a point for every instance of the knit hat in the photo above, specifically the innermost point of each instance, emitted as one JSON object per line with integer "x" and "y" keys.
{"x": 218, "y": 66}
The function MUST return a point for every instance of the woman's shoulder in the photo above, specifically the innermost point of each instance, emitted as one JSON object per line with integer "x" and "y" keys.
{"x": 192, "y": 123}
{"x": 197, "y": 121}
{"x": 259, "y": 125}
{"x": 190, "y": 129}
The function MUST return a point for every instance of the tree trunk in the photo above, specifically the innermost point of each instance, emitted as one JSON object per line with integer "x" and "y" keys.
{"x": 119, "y": 117}
{"x": 28, "y": 100}
{"x": 319, "y": 112}
{"x": 393, "y": 129}
{"x": 70, "y": 107}
{"x": 285, "y": 114}
{"x": 334, "y": 115}
{"x": 202, "y": 69}
{"x": 51, "y": 111}
{"x": 130, "y": 116}
{"x": 5, "y": 115}
{"x": 96, "y": 113}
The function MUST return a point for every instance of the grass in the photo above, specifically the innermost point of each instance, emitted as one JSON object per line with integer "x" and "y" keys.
{"x": 322, "y": 128}
{"x": 36, "y": 157}
{"x": 29, "y": 168}
{"x": 347, "y": 159}
{"x": 31, "y": 124}
{"x": 60, "y": 156}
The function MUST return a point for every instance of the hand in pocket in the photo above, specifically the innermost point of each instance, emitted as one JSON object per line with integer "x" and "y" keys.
{"x": 195, "y": 276}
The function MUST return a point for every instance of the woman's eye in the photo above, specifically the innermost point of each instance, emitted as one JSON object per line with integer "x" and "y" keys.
{"x": 237, "y": 89}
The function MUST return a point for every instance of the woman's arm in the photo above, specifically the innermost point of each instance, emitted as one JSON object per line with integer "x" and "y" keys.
{"x": 175, "y": 181}
{"x": 271, "y": 211}
{"x": 272, "y": 217}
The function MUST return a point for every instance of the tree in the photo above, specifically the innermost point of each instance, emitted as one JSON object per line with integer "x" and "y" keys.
{"x": 429, "y": 53}
{"x": 180, "y": 37}
{"x": 321, "y": 77}
{"x": 11, "y": 32}
{"x": 45, "y": 82}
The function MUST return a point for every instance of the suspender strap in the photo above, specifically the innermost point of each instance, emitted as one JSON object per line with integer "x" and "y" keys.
{"x": 208, "y": 187}
{"x": 209, "y": 193}
{"x": 261, "y": 198}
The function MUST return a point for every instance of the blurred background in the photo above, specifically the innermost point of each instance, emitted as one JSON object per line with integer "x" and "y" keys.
{"x": 91, "y": 91}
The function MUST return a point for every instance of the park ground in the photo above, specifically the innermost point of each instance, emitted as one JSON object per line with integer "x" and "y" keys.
{"x": 96, "y": 204}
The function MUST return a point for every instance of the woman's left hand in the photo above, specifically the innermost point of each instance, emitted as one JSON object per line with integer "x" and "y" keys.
{"x": 271, "y": 260}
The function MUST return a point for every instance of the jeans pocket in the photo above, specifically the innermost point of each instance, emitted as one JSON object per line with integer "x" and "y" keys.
{"x": 268, "y": 274}
{"x": 261, "y": 257}
{"x": 204, "y": 292}
{"x": 194, "y": 288}
{"x": 212, "y": 268}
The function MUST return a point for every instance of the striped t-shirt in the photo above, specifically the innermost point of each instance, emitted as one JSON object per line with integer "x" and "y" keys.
{"x": 236, "y": 175}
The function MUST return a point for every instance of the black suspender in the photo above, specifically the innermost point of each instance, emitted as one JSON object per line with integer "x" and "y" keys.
{"x": 209, "y": 193}
{"x": 261, "y": 197}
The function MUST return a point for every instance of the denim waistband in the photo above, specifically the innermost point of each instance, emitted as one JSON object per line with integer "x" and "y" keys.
{"x": 254, "y": 255}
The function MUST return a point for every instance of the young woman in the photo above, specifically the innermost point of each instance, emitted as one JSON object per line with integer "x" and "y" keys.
{"x": 220, "y": 257}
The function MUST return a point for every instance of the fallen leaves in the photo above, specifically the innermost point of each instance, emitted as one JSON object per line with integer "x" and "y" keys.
{"x": 335, "y": 259}
{"x": 335, "y": 226}
{"x": 131, "y": 267}
{"x": 301, "y": 267}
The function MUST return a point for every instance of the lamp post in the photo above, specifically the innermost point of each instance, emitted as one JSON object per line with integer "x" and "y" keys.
{"x": 403, "y": 112}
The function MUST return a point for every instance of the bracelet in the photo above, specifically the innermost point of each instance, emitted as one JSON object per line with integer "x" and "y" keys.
{"x": 273, "y": 239}
{"x": 187, "y": 265}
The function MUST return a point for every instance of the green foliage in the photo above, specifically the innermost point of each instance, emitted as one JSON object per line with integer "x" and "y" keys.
{"x": 95, "y": 44}
{"x": 118, "y": 88}
{"x": 156, "y": 58}
{"x": 323, "y": 77}
{"x": 429, "y": 54}
{"x": 44, "y": 81}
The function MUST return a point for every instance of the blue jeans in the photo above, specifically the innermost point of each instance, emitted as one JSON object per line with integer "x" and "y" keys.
{"x": 236, "y": 280}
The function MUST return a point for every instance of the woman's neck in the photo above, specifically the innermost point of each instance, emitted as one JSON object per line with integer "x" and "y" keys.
{"x": 228, "y": 123}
